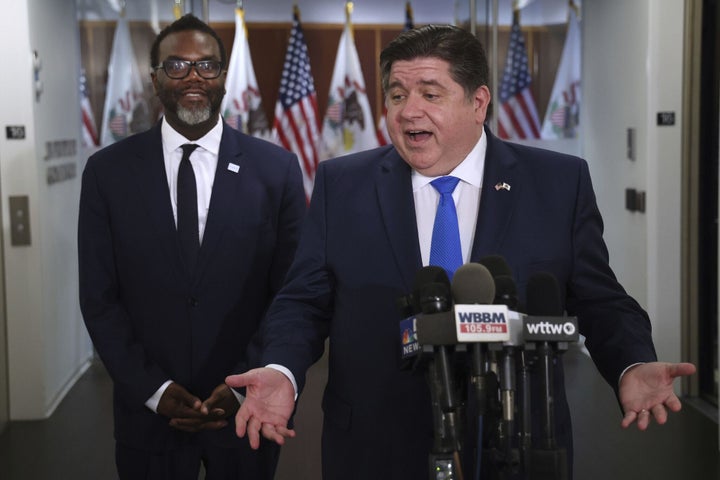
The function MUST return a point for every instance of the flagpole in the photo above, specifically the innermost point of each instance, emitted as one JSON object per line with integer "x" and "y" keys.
{"x": 348, "y": 20}
{"x": 495, "y": 87}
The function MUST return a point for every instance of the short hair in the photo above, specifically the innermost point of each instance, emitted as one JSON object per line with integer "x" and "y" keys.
{"x": 460, "y": 48}
{"x": 182, "y": 24}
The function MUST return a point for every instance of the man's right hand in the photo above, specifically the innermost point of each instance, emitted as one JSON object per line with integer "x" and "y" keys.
{"x": 269, "y": 403}
{"x": 178, "y": 403}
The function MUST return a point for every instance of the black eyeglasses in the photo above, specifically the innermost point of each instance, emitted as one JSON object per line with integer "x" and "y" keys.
{"x": 177, "y": 69}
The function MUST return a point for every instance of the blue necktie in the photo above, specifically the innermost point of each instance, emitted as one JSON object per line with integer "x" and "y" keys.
{"x": 445, "y": 248}
{"x": 187, "y": 212}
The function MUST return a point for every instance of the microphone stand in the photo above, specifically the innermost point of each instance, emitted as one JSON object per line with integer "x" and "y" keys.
{"x": 548, "y": 462}
{"x": 444, "y": 460}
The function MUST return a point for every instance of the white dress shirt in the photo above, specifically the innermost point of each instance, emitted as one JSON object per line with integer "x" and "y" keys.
{"x": 467, "y": 203}
{"x": 204, "y": 161}
{"x": 466, "y": 196}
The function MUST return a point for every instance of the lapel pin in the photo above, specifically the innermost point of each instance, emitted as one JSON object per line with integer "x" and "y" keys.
{"x": 502, "y": 186}
{"x": 233, "y": 167}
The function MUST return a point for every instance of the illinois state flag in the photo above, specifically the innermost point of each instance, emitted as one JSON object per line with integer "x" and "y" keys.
{"x": 382, "y": 133}
{"x": 562, "y": 116}
{"x": 89, "y": 131}
{"x": 242, "y": 106}
{"x": 517, "y": 115}
{"x": 348, "y": 126}
{"x": 296, "y": 124}
{"x": 125, "y": 111}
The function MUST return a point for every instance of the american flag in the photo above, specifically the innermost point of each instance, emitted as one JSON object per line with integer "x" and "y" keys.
{"x": 382, "y": 133}
{"x": 296, "y": 112}
{"x": 518, "y": 117}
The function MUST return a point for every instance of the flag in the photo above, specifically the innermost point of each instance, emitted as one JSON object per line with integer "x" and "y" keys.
{"x": 125, "y": 111}
{"x": 242, "y": 106}
{"x": 517, "y": 116}
{"x": 563, "y": 112}
{"x": 89, "y": 130}
{"x": 296, "y": 111}
{"x": 348, "y": 125}
{"x": 382, "y": 133}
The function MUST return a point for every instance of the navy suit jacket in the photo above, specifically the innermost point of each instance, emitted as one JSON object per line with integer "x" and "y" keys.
{"x": 149, "y": 319}
{"x": 359, "y": 253}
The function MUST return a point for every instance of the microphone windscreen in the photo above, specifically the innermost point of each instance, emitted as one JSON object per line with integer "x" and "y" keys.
{"x": 497, "y": 265}
{"x": 431, "y": 292}
{"x": 543, "y": 295}
{"x": 430, "y": 274}
{"x": 433, "y": 298}
{"x": 473, "y": 284}
{"x": 506, "y": 291}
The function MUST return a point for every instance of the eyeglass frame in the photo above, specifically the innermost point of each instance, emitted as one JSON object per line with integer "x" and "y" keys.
{"x": 191, "y": 64}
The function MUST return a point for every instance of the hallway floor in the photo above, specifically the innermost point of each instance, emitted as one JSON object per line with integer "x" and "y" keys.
{"x": 76, "y": 441}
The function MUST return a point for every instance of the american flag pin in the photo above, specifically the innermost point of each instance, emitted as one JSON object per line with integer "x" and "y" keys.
{"x": 233, "y": 167}
{"x": 502, "y": 186}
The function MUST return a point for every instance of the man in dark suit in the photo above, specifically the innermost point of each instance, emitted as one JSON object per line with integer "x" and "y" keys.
{"x": 172, "y": 315}
{"x": 369, "y": 232}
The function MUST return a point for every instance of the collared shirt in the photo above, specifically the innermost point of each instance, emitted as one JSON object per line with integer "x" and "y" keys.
{"x": 466, "y": 196}
{"x": 204, "y": 162}
{"x": 467, "y": 202}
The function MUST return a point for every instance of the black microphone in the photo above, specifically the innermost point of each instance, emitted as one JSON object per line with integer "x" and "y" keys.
{"x": 430, "y": 295}
{"x": 546, "y": 326}
{"x": 433, "y": 301}
{"x": 543, "y": 300}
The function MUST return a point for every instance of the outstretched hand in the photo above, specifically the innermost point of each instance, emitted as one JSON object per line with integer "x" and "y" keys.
{"x": 646, "y": 392}
{"x": 269, "y": 403}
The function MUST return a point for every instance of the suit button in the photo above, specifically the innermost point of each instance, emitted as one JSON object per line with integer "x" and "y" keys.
{"x": 193, "y": 302}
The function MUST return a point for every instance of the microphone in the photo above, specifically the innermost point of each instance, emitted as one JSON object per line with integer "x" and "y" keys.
{"x": 430, "y": 295}
{"x": 433, "y": 302}
{"x": 473, "y": 285}
{"x": 546, "y": 326}
{"x": 505, "y": 295}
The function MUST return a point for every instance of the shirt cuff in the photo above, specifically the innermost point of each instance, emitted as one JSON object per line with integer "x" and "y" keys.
{"x": 287, "y": 373}
{"x": 626, "y": 369}
{"x": 153, "y": 402}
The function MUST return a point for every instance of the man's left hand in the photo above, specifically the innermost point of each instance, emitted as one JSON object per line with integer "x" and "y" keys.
{"x": 646, "y": 392}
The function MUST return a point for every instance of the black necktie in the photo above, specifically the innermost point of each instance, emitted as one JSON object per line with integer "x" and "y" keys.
{"x": 187, "y": 212}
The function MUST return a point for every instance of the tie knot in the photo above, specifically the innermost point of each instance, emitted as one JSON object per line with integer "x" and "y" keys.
{"x": 188, "y": 148}
{"x": 445, "y": 184}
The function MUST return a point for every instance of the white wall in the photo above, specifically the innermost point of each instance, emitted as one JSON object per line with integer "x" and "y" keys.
{"x": 632, "y": 69}
{"x": 47, "y": 344}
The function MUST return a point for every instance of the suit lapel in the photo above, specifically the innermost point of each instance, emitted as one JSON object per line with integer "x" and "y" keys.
{"x": 148, "y": 170}
{"x": 224, "y": 197}
{"x": 497, "y": 200}
{"x": 397, "y": 208}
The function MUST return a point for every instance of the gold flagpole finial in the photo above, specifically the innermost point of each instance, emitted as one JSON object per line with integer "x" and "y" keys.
{"x": 296, "y": 11}
{"x": 178, "y": 9}
{"x": 348, "y": 11}
{"x": 574, "y": 7}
